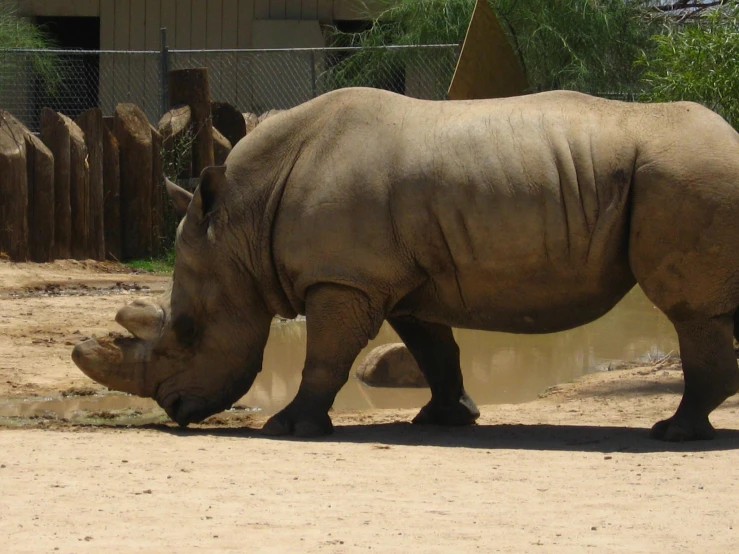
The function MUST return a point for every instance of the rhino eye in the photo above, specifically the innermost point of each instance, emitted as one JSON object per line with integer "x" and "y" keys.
{"x": 184, "y": 328}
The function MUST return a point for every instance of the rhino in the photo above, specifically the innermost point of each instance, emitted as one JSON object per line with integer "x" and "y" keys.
{"x": 531, "y": 214}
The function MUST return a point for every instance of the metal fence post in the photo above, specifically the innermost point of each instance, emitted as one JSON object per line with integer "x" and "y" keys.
{"x": 313, "y": 72}
{"x": 163, "y": 71}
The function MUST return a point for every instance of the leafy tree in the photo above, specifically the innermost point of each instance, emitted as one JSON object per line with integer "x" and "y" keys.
{"x": 697, "y": 61}
{"x": 19, "y": 33}
{"x": 576, "y": 44}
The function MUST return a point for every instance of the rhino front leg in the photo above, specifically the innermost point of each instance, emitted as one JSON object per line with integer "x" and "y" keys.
{"x": 340, "y": 321}
{"x": 437, "y": 355}
{"x": 711, "y": 376}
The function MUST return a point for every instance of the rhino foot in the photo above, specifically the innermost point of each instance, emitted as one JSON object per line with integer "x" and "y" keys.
{"x": 292, "y": 422}
{"x": 463, "y": 412}
{"x": 677, "y": 429}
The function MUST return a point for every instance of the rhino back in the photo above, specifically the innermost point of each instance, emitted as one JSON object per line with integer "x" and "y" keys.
{"x": 459, "y": 206}
{"x": 501, "y": 214}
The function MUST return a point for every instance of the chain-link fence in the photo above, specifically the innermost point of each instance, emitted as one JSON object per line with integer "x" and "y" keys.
{"x": 71, "y": 81}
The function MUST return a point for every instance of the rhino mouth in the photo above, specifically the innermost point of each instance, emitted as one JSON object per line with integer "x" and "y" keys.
{"x": 185, "y": 409}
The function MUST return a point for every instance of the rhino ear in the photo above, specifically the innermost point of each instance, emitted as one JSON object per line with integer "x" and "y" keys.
{"x": 180, "y": 197}
{"x": 212, "y": 182}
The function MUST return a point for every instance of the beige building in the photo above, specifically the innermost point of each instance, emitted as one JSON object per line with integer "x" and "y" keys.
{"x": 204, "y": 24}
{"x": 252, "y": 81}
{"x": 120, "y": 61}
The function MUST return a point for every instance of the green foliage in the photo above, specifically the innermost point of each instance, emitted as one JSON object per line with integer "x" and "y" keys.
{"x": 412, "y": 22}
{"x": 17, "y": 32}
{"x": 697, "y": 61}
{"x": 586, "y": 45}
{"x": 163, "y": 264}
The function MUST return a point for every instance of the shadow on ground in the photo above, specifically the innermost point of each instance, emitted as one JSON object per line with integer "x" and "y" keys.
{"x": 573, "y": 438}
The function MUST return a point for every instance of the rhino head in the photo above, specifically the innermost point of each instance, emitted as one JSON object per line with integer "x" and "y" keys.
{"x": 198, "y": 348}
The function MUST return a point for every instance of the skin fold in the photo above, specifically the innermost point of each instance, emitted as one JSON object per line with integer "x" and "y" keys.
{"x": 532, "y": 214}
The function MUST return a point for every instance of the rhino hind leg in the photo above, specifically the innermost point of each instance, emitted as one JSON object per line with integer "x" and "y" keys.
{"x": 340, "y": 321}
{"x": 437, "y": 354}
{"x": 711, "y": 376}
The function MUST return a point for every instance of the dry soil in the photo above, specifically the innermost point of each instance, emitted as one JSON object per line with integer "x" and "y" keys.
{"x": 571, "y": 472}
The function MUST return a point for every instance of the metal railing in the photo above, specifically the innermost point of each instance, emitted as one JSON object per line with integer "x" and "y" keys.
{"x": 71, "y": 81}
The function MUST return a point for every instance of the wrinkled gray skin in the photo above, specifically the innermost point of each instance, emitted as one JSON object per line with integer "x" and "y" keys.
{"x": 525, "y": 215}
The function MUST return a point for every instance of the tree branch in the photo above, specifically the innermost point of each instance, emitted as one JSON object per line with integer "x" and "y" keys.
{"x": 688, "y": 5}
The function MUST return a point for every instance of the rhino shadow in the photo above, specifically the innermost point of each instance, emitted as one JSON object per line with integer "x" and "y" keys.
{"x": 544, "y": 437}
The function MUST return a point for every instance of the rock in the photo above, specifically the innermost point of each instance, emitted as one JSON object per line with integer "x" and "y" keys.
{"x": 391, "y": 365}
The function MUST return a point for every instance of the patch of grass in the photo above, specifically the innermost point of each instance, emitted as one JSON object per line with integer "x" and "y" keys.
{"x": 162, "y": 264}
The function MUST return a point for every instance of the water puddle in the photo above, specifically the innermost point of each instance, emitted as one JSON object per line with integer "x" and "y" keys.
{"x": 109, "y": 409}
{"x": 78, "y": 289}
{"x": 498, "y": 368}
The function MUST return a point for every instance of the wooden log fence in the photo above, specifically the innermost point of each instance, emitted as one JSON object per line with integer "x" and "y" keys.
{"x": 133, "y": 133}
{"x": 92, "y": 188}
{"x": 55, "y": 135}
{"x": 13, "y": 188}
{"x": 40, "y": 175}
{"x": 91, "y": 124}
{"x": 111, "y": 192}
{"x": 79, "y": 191}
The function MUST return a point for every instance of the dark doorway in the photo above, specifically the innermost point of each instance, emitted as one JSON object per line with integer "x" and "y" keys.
{"x": 69, "y": 82}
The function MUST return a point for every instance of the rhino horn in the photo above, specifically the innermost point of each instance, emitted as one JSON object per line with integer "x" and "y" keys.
{"x": 142, "y": 319}
{"x": 118, "y": 363}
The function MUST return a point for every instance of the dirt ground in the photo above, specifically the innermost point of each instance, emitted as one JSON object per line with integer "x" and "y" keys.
{"x": 570, "y": 472}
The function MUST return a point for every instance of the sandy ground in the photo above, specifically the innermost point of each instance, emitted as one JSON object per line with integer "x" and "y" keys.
{"x": 571, "y": 472}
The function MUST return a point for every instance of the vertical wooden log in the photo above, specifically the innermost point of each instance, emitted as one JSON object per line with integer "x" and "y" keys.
{"x": 191, "y": 87}
{"x": 111, "y": 194}
{"x": 109, "y": 123}
{"x": 133, "y": 132}
{"x": 13, "y": 189}
{"x": 79, "y": 191}
{"x": 91, "y": 123}
{"x": 157, "y": 201}
{"x": 40, "y": 170}
{"x": 55, "y": 135}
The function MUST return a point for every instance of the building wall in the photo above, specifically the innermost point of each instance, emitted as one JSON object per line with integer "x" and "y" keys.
{"x": 192, "y": 24}
{"x": 134, "y": 25}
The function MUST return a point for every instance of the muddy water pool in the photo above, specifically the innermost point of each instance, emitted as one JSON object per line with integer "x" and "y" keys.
{"x": 497, "y": 367}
